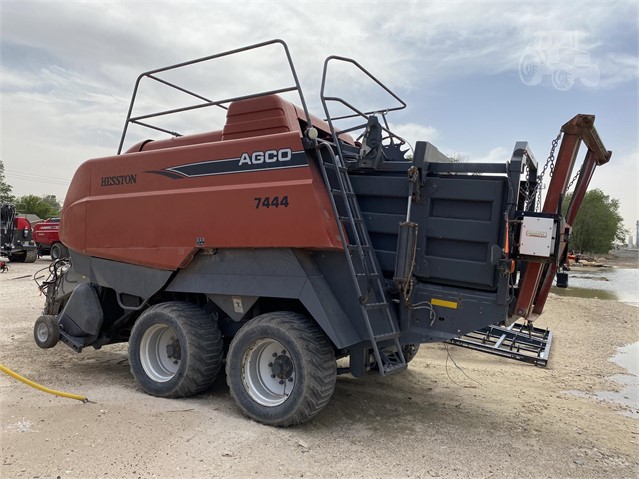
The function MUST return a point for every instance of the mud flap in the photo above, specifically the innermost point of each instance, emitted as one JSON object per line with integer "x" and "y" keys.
{"x": 81, "y": 318}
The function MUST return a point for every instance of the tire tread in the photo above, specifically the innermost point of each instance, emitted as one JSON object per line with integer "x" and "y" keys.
{"x": 205, "y": 348}
{"x": 319, "y": 353}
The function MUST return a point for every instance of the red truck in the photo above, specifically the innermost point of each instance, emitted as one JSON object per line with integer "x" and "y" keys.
{"x": 46, "y": 236}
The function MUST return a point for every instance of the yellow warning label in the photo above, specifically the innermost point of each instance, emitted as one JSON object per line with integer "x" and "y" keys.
{"x": 444, "y": 304}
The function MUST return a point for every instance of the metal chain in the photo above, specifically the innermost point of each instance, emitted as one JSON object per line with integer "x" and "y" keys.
{"x": 574, "y": 179}
{"x": 550, "y": 163}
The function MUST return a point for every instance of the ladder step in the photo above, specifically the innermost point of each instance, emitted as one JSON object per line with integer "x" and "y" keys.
{"x": 385, "y": 336}
{"x": 343, "y": 193}
{"x": 393, "y": 368}
{"x": 346, "y": 219}
{"x": 354, "y": 247}
{"x": 369, "y": 275}
{"x": 339, "y": 168}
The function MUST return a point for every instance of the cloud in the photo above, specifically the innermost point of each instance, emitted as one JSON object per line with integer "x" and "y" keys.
{"x": 617, "y": 68}
{"x": 496, "y": 155}
{"x": 440, "y": 40}
{"x": 412, "y": 132}
{"x": 68, "y": 68}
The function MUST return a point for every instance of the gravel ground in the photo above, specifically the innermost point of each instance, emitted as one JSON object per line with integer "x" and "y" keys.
{"x": 489, "y": 418}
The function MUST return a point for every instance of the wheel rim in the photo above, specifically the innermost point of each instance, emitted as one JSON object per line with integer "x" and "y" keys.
{"x": 42, "y": 332}
{"x": 160, "y": 353}
{"x": 268, "y": 372}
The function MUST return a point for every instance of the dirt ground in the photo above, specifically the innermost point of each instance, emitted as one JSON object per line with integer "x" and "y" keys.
{"x": 496, "y": 419}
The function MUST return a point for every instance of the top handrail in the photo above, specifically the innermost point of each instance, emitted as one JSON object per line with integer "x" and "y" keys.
{"x": 152, "y": 75}
{"x": 356, "y": 112}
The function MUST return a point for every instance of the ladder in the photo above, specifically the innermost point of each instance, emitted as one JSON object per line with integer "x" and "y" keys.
{"x": 381, "y": 326}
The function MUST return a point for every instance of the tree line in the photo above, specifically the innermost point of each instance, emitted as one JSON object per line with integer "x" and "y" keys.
{"x": 598, "y": 225}
{"x": 45, "y": 206}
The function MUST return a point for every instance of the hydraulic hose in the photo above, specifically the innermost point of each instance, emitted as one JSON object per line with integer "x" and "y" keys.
{"x": 14, "y": 375}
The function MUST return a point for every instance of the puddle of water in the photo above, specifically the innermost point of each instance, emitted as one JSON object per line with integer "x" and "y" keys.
{"x": 627, "y": 358}
{"x": 617, "y": 284}
{"x": 628, "y": 396}
{"x": 585, "y": 293}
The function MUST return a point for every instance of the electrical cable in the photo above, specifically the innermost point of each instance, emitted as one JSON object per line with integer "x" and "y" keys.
{"x": 36, "y": 177}
{"x": 15, "y": 375}
{"x": 448, "y": 355}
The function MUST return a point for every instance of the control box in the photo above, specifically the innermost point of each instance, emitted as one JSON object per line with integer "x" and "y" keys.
{"x": 537, "y": 237}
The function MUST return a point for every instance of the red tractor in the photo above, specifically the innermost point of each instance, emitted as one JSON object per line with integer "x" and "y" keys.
{"x": 16, "y": 236}
{"x": 47, "y": 237}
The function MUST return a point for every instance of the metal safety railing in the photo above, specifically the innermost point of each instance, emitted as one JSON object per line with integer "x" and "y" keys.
{"x": 204, "y": 101}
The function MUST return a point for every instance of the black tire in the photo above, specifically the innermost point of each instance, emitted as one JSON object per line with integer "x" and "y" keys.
{"x": 175, "y": 350}
{"x": 56, "y": 251}
{"x": 280, "y": 350}
{"x": 31, "y": 256}
{"x": 17, "y": 257}
{"x": 46, "y": 331}
{"x": 410, "y": 351}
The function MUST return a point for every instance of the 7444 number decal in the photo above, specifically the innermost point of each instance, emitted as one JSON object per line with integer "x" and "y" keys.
{"x": 271, "y": 202}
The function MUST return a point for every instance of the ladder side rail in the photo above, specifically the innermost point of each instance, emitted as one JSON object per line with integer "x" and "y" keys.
{"x": 345, "y": 242}
{"x": 345, "y": 187}
{"x": 385, "y": 365}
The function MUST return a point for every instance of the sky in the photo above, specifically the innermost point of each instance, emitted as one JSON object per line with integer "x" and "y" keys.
{"x": 68, "y": 70}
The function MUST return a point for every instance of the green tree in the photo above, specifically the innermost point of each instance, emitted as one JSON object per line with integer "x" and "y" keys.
{"x": 43, "y": 206}
{"x": 5, "y": 188}
{"x": 53, "y": 202}
{"x": 598, "y": 223}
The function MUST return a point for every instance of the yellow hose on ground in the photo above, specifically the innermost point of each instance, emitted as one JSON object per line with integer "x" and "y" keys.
{"x": 8, "y": 371}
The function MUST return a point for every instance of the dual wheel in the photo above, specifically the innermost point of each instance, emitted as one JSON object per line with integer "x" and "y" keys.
{"x": 280, "y": 366}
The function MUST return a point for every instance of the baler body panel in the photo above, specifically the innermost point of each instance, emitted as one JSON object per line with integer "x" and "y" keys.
{"x": 155, "y": 208}
{"x": 319, "y": 280}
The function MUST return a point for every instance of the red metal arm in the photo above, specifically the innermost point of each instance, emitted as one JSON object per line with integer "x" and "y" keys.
{"x": 580, "y": 128}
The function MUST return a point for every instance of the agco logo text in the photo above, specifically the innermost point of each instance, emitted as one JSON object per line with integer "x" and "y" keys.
{"x": 270, "y": 156}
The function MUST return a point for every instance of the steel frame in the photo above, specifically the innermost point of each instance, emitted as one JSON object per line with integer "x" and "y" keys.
{"x": 206, "y": 102}
{"x": 538, "y": 277}
{"x": 522, "y": 342}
